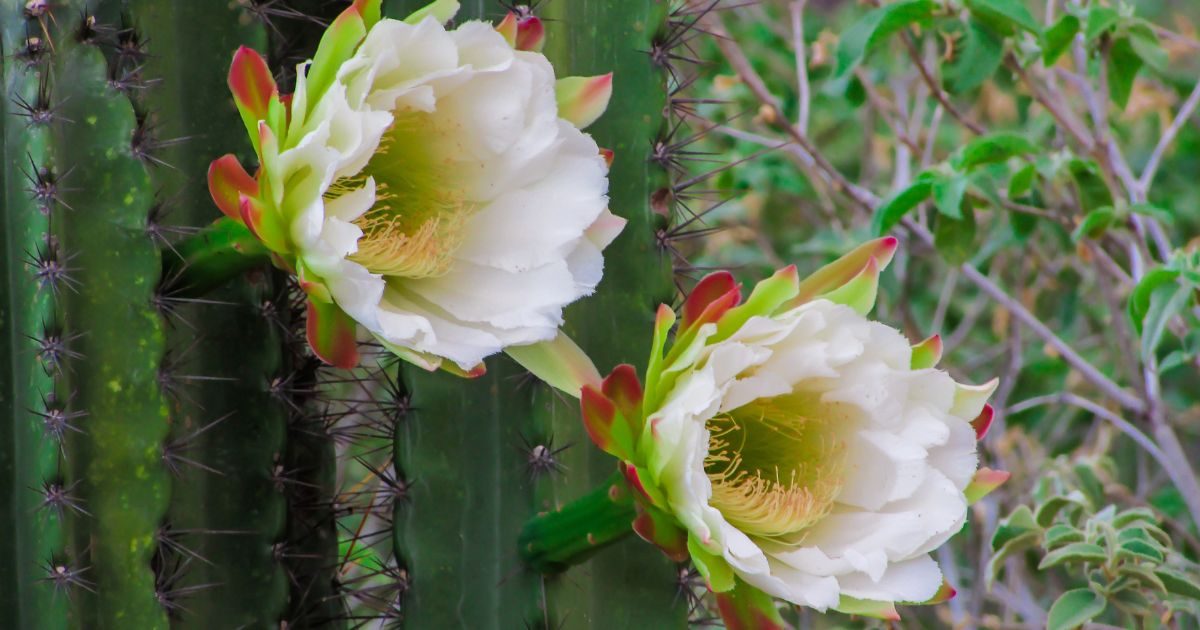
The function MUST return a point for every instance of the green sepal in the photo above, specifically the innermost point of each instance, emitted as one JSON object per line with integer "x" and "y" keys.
{"x": 867, "y": 608}
{"x": 860, "y": 292}
{"x": 983, "y": 483}
{"x": 845, "y": 268}
{"x": 927, "y": 353}
{"x": 748, "y": 608}
{"x": 442, "y": 10}
{"x": 660, "y": 529}
{"x": 714, "y": 568}
{"x": 559, "y": 362}
{"x": 338, "y": 44}
{"x": 764, "y": 300}
{"x": 331, "y": 334}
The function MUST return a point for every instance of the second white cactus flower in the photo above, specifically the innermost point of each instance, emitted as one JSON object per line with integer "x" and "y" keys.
{"x": 795, "y": 449}
{"x": 430, "y": 185}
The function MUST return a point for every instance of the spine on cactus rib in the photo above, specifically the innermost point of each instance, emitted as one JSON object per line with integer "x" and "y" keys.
{"x": 622, "y": 586}
{"x": 32, "y": 422}
{"x": 102, "y": 225}
{"x": 227, "y": 422}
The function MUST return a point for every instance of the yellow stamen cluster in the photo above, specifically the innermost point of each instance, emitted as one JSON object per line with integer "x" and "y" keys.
{"x": 775, "y": 466}
{"x": 416, "y": 224}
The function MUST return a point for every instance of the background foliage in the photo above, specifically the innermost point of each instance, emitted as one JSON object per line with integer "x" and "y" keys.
{"x": 1037, "y": 160}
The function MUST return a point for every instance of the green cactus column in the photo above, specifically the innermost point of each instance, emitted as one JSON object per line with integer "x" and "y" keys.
{"x": 480, "y": 456}
{"x": 32, "y": 425}
{"x": 102, "y": 229}
{"x": 629, "y": 584}
{"x": 226, "y": 513}
{"x": 465, "y": 451}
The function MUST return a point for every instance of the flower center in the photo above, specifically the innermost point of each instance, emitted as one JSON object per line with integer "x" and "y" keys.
{"x": 776, "y": 464}
{"x": 416, "y": 224}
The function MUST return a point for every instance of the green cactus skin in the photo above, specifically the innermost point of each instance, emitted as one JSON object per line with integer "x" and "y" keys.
{"x": 29, "y": 457}
{"x": 119, "y": 463}
{"x": 225, "y": 508}
{"x": 629, "y": 584}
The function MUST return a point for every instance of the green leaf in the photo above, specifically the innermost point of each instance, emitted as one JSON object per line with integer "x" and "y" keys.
{"x": 1074, "y": 552}
{"x": 996, "y": 563}
{"x": 1093, "y": 192}
{"x": 1135, "y": 515}
{"x": 1123, "y": 66}
{"x": 955, "y": 238}
{"x": 948, "y": 194}
{"x": 1095, "y": 223}
{"x": 1022, "y": 181}
{"x": 994, "y": 148}
{"x": 1057, "y": 39}
{"x": 1142, "y": 550}
{"x": 895, "y": 207}
{"x": 1050, "y": 509}
{"x": 1155, "y": 212}
{"x": 1005, "y": 14}
{"x": 1139, "y": 298}
{"x": 1059, "y": 535}
{"x": 1075, "y": 608}
{"x": 1015, "y": 525}
{"x": 1145, "y": 574}
{"x": 876, "y": 26}
{"x": 1179, "y": 583}
{"x": 1145, "y": 43}
{"x": 1165, "y": 303}
{"x": 980, "y": 54}
{"x": 1100, "y": 20}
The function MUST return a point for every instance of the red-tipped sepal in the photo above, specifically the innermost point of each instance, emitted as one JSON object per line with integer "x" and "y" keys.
{"x": 712, "y": 297}
{"x": 983, "y": 421}
{"x": 927, "y": 353}
{"x": 605, "y": 424}
{"x": 227, "y": 182}
{"x": 331, "y": 333}
{"x": 661, "y": 530}
{"x": 747, "y": 608}
{"x": 983, "y": 483}
{"x": 263, "y": 223}
{"x": 252, "y": 85}
{"x": 624, "y": 389}
{"x": 581, "y": 100}
{"x": 846, "y": 268}
{"x": 609, "y": 155}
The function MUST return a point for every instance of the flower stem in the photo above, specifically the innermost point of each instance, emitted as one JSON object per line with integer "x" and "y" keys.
{"x": 554, "y": 541}
{"x": 210, "y": 258}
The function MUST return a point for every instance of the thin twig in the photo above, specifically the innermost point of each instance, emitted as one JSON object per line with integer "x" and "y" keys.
{"x": 1168, "y": 138}
{"x": 802, "y": 89}
{"x": 936, "y": 89}
{"x": 1067, "y": 398}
